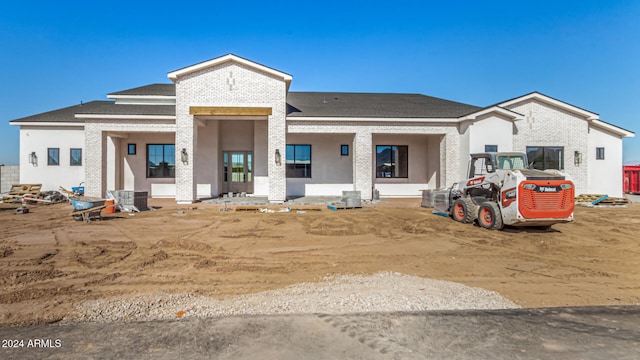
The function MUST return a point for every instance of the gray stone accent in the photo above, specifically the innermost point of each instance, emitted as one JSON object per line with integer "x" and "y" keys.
{"x": 547, "y": 125}
{"x": 9, "y": 175}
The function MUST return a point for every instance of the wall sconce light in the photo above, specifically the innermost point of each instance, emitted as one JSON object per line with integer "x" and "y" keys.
{"x": 184, "y": 156}
{"x": 33, "y": 158}
{"x": 577, "y": 158}
{"x": 278, "y": 157}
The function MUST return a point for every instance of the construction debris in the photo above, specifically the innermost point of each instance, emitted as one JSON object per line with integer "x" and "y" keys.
{"x": 54, "y": 196}
{"x": 337, "y": 207}
{"x": 22, "y": 210}
{"x": 601, "y": 200}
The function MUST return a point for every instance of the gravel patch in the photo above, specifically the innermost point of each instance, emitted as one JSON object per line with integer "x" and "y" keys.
{"x": 381, "y": 292}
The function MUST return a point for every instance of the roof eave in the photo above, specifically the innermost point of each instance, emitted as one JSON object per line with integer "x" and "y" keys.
{"x": 492, "y": 109}
{"x": 131, "y": 117}
{"x": 46, "y": 123}
{"x": 373, "y": 119}
{"x": 614, "y": 129}
{"x": 174, "y": 75}
{"x": 555, "y": 102}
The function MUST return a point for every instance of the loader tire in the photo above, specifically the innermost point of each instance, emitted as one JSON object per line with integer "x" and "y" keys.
{"x": 464, "y": 210}
{"x": 489, "y": 216}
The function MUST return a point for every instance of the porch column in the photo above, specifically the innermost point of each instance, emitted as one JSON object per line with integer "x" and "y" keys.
{"x": 363, "y": 164}
{"x": 277, "y": 142}
{"x": 95, "y": 170}
{"x": 186, "y": 138}
{"x": 111, "y": 162}
{"x": 449, "y": 159}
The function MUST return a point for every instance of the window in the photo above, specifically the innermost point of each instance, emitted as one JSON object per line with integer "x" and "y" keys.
{"x": 392, "y": 161}
{"x": 76, "y": 157}
{"x": 344, "y": 150}
{"x": 299, "y": 161}
{"x": 53, "y": 156}
{"x": 491, "y": 148}
{"x": 161, "y": 160}
{"x": 131, "y": 149}
{"x": 546, "y": 157}
{"x": 481, "y": 166}
{"x": 600, "y": 153}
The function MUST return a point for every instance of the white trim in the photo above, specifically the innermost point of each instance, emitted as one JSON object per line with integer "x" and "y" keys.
{"x": 147, "y": 97}
{"x": 174, "y": 75}
{"x": 143, "y": 100}
{"x": 127, "y": 117}
{"x": 497, "y": 109}
{"x": 47, "y": 123}
{"x": 563, "y": 105}
{"x": 328, "y": 118}
{"x": 612, "y": 128}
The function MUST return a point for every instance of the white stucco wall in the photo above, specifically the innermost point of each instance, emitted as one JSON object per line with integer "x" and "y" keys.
{"x": 135, "y": 168}
{"x": 490, "y": 130}
{"x": 207, "y": 163}
{"x": 605, "y": 176}
{"x": 38, "y": 140}
{"x": 331, "y": 173}
{"x": 443, "y": 144}
{"x": 421, "y": 165}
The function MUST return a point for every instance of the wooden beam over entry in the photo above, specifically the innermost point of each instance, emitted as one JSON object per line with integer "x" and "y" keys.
{"x": 229, "y": 110}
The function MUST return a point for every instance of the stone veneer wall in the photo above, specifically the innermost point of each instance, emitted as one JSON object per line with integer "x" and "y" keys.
{"x": 547, "y": 125}
{"x": 229, "y": 84}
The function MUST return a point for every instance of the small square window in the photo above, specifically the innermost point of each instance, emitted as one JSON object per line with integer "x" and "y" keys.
{"x": 491, "y": 148}
{"x": 600, "y": 153}
{"x": 53, "y": 156}
{"x": 131, "y": 149}
{"x": 344, "y": 150}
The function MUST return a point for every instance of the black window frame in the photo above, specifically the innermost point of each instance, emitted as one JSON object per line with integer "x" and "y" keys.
{"x": 168, "y": 172}
{"x": 487, "y": 148}
{"x": 295, "y": 168}
{"x": 131, "y": 149}
{"x": 71, "y": 162}
{"x": 50, "y": 157}
{"x": 344, "y": 150}
{"x": 391, "y": 172}
{"x": 547, "y": 161}
{"x": 600, "y": 153}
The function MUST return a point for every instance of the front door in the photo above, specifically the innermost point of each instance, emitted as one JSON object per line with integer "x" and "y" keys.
{"x": 237, "y": 171}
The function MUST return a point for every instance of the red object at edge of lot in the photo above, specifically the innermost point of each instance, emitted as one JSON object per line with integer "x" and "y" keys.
{"x": 631, "y": 179}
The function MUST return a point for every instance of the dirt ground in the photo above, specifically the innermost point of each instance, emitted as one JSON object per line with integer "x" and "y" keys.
{"x": 49, "y": 263}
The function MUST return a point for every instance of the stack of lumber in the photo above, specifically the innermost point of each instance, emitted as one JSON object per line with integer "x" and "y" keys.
{"x": 600, "y": 200}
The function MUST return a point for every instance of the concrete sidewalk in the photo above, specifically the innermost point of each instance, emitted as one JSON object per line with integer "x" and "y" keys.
{"x": 552, "y": 333}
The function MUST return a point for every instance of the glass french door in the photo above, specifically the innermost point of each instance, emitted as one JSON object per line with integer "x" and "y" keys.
{"x": 237, "y": 171}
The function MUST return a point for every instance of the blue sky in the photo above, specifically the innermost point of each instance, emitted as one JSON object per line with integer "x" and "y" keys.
{"x": 587, "y": 53}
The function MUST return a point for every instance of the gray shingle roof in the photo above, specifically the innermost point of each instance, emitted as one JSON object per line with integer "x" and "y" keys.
{"x": 152, "y": 89}
{"x": 98, "y": 107}
{"x": 307, "y": 104}
{"x": 375, "y": 105}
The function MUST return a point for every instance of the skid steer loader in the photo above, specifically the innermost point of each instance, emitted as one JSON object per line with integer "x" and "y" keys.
{"x": 502, "y": 189}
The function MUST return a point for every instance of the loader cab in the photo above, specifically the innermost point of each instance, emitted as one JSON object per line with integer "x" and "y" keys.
{"x": 481, "y": 164}
{"x": 511, "y": 161}
{"x": 487, "y": 163}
